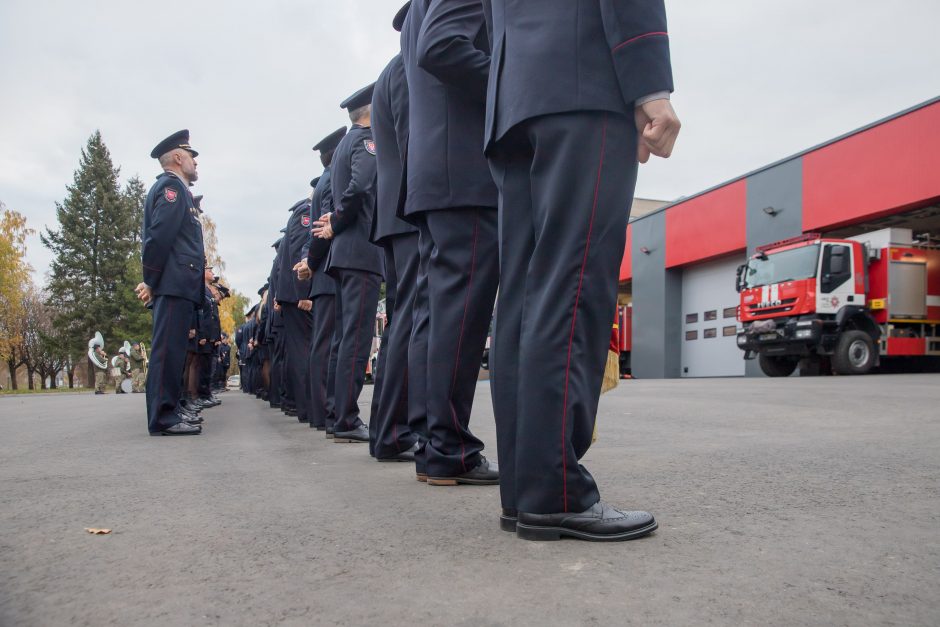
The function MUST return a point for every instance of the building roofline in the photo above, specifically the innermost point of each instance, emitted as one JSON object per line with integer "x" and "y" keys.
{"x": 885, "y": 120}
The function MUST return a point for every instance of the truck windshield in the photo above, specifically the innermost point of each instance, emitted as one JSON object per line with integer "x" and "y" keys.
{"x": 789, "y": 265}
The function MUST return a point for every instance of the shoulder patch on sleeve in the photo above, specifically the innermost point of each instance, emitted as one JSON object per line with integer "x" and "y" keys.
{"x": 305, "y": 220}
{"x": 170, "y": 194}
{"x": 370, "y": 145}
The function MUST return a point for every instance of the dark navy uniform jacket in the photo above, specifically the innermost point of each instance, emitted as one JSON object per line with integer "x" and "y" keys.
{"x": 390, "y": 130}
{"x": 321, "y": 284}
{"x": 557, "y": 56}
{"x": 290, "y": 289}
{"x": 210, "y": 326}
{"x": 173, "y": 253}
{"x": 353, "y": 183}
{"x": 446, "y": 55}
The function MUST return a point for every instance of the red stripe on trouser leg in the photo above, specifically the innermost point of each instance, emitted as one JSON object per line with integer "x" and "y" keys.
{"x": 352, "y": 370}
{"x": 574, "y": 319}
{"x": 463, "y": 321}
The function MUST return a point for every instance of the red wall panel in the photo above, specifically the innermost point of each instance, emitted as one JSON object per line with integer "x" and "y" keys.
{"x": 626, "y": 264}
{"x": 884, "y": 168}
{"x": 707, "y": 226}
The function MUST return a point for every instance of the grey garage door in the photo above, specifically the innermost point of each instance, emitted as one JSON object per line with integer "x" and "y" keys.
{"x": 709, "y": 324}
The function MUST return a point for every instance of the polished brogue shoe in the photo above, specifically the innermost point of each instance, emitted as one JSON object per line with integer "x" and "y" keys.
{"x": 484, "y": 473}
{"x": 599, "y": 523}
{"x": 507, "y": 519}
{"x": 180, "y": 428}
{"x": 404, "y": 456}
{"x": 359, "y": 434}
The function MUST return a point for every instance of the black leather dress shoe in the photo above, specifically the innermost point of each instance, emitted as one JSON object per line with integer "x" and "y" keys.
{"x": 507, "y": 519}
{"x": 404, "y": 456}
{"x": 290, "y": 412}
{"x": 180, "y": 429}
{"x": 329, "y": 433}
{"x": 359, "y": 434}
{"x": 302, "y": 419}
{"x": 484, "y": 473}
{"x": 194, "y": 420}
{"x": 600, "y": 523}
{"x": 275, "y": 405}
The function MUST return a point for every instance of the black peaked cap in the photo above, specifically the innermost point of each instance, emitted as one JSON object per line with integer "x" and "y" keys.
{"x": 359, "y": 99}
{"x": 331, "y": 141}
{"x": 179, "y": 139}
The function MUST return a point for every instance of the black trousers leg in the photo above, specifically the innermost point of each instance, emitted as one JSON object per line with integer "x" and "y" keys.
{"x": 463, "y": 272}
{"x": 279, "y": 385}
{"x": 324, "y": 313}
{"x": 171, "y": 318}
{"x": 204, "y": 387}
{"x": 359, "y": 299}
{"x": 418, "y": 350}
{"x": 378, "y": 371}
{"x": 297, "y": 329}
{"x": 565, "y": 183}
{"x": 393, "y": 433}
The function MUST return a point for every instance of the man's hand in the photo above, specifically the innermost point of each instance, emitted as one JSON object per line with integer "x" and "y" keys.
{"x": 192, "y": 333}
{"x": 302, "y": 270}
{"x": 202, "y": 342}
{"x": 144, "y": 293}
{"x": 305, "y": 305}
{"x": 277, "y": 305}
{"x": 323, "y": 228}
{"x": 658, "y": 126}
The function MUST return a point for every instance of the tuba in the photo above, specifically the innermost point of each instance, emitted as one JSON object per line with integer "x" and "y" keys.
{"x": 93, "y": 343}
{"x": 126, "y": 349}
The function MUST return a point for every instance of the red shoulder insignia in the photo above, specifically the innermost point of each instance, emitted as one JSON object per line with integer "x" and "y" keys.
{"x": 170, "y": 194}
{"x": 370, "y": 145}
{"x": 305, "y": 221}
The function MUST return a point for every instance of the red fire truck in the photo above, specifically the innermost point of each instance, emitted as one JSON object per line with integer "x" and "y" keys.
{"x": 625, "y": 333}
{"x": 819, "y": 302}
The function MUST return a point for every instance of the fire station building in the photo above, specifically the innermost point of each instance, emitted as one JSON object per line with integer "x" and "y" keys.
{"x": 678, "y": 270}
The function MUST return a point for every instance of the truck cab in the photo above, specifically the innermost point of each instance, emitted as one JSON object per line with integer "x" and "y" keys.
{"x": 805, "y": 299}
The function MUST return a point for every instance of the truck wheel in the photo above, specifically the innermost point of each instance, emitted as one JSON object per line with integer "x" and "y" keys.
{"x": 854, "y": 354}
{"x": 777, "y": 366}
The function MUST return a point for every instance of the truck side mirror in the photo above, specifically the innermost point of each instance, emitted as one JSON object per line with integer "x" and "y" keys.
{"x": 737, "y": 280}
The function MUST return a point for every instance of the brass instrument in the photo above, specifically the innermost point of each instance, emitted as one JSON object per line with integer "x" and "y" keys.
{"x": 93, "y": 343}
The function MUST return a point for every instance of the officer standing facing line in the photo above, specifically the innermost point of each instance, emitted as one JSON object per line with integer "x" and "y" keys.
{"x": 173, "y": 259}
{"x": 564, "y": 154}
{"x": 394, "y": 440}
{"x": 355, "y": 262}
{"x": 322, "y": 370}
{"x": 451, "y": 191}
{"x": 293, "y": 296}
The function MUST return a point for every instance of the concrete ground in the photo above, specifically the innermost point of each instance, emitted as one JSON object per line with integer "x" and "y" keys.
{"x": 812, "y": 501}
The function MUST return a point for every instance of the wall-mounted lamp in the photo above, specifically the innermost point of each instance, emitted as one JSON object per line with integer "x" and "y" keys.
{"x": 645, "y": 250}
{"x": 771, "y": 211}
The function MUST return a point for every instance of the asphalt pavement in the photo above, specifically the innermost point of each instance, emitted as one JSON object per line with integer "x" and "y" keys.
{"x": 799, "y": 501}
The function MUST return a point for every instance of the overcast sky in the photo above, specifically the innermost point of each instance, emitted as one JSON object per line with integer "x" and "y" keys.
{"x": 259, "y": 83}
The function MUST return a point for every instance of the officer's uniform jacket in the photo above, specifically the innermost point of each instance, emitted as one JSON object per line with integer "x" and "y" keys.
{"x": 446, "y": 61}
{"x": 289, "y": 288}
{"x": 173, "y": 253}
{"x": 603, "y": 56}
{"x": 353, "y": 184}
{"x": 390, "y": 130}
{"x": 210, "y": 326}
{"x": 321, "y": 284}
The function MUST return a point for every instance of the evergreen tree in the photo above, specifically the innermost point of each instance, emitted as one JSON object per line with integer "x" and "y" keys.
{"x": 97, "y": 236}
{"x": 135, "y": 322}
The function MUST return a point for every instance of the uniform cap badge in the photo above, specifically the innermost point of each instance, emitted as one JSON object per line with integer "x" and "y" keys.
{"x": 170, "y": 194}
{"x": 370, "y": 146}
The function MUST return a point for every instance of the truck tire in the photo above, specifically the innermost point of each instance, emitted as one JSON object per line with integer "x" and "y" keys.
{"x": 777, "y": 366}
{"x": 854, "y": 354}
